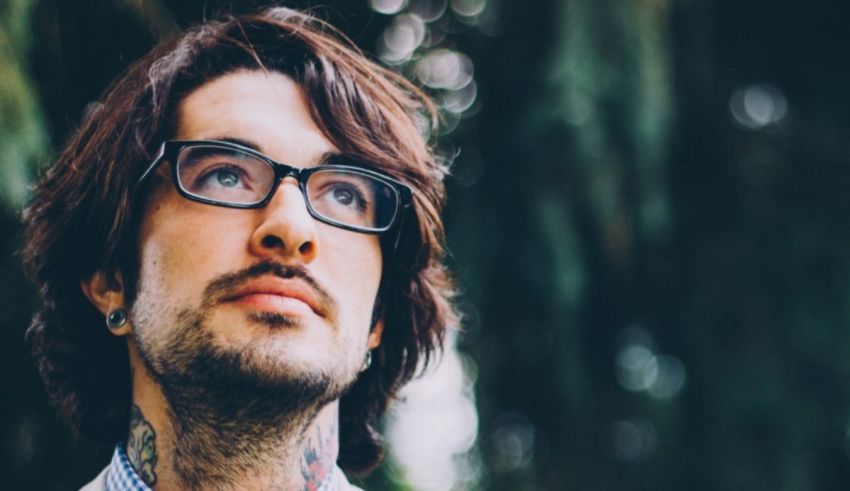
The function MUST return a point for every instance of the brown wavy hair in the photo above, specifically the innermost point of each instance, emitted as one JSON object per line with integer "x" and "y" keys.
{"x": 85, "y": 211}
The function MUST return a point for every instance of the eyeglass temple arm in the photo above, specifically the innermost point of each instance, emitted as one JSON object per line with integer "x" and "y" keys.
{"x": 153, "y": 165}
{"x": 400, "y": 226}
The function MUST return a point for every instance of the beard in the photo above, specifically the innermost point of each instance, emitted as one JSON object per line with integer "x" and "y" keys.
{"x": 231, "y": 405}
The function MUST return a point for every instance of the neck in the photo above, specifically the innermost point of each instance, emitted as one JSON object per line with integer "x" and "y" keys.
{"x": 176, "y": 444}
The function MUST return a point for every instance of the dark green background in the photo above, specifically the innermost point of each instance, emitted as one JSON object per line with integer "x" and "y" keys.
{"x": 603, "y": 188}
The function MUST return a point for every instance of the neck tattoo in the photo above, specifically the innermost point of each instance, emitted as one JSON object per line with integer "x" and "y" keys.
{"x": 317, "y": 458}
{"x": 141, "y": 446}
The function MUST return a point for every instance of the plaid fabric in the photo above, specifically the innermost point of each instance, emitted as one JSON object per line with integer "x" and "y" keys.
{"x": 122, "y": 477}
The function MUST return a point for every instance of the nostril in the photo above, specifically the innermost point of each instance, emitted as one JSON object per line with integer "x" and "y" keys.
{"x": 272, "y": 242}
{"x": 306, "y": 248}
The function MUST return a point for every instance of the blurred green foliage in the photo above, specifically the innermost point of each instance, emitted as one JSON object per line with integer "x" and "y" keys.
{"x": 648, "y": 214}
{"x": 23, "y": 139}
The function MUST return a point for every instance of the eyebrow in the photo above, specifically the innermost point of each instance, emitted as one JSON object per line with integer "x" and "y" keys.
{"x": 329, "y": 157}
{"x": 332, "y": 157}
{"x": 239, "y": 141}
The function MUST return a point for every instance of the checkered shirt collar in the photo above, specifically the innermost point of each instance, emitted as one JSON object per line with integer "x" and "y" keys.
{"x": 121, "y": 475}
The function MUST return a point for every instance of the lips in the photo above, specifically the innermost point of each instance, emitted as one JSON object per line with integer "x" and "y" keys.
{"x": 277, "y": 294}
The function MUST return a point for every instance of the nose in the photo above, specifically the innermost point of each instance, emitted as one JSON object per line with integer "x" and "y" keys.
{"x": 286, "y": 230}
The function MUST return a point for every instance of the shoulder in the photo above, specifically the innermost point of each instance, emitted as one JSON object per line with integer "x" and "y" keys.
{"x": 98, "y": 484}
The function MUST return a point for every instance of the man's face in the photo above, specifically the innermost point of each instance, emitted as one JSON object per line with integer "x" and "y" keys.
{"x": 289, "y": 298}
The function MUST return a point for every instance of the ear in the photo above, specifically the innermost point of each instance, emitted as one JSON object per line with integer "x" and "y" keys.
{"x": 106, "y": 292}
{"x": 375, "y": 333}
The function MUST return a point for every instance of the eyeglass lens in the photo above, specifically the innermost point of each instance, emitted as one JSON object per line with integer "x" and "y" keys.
{"x": 230, "y": 176}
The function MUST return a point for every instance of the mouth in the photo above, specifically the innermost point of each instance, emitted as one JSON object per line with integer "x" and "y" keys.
{"x": 273, "y": 294}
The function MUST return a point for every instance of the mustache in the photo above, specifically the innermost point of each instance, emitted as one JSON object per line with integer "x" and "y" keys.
{"x": 221, "y": 286}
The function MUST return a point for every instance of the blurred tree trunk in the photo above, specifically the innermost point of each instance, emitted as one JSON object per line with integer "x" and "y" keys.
{"x": 576, "y": 142}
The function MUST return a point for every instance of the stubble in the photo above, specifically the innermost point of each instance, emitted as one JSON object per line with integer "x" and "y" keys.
{"x": 231, "y": 406}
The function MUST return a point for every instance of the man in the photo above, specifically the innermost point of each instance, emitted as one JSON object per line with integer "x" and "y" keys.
{"x": 239, "y": 257}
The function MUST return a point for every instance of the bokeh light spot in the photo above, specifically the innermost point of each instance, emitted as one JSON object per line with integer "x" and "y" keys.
{"x": 428, "y": 10}
{"x": 633, "y": 440}
{"x": 445, "y": 69}
{"x": 512, "y": 443}
{"x": 401, "y": 38}
{"x": 670, "y": 377}
{"x": 387, "y": 7}
{"x": 468, "y": 170}
{"x": 757, "y": 106}
{"x": 433, "y": 429}
{"x": 639, "y": 368}
{"x": 469, "y": 8}
{"x": 458, "y": 101}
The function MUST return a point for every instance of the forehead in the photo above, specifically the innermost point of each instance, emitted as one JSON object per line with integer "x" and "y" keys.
{"x": 267, "y": 109}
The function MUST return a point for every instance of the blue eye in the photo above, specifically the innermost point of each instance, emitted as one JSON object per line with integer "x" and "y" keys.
{"x": 344, "y": 196}
{"x": 226, "y": 178}
{"x": 349, "y": 196}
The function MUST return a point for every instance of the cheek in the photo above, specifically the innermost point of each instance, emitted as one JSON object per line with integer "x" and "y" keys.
{"x": 355, "y": 266}
{"x": 181, "y": 248}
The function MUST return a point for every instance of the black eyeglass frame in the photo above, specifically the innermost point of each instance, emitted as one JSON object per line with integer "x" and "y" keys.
{"x": 170, "y": 149}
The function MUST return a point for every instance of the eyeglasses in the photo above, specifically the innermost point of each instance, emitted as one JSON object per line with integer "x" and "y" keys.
{"x": 231, "y": 175}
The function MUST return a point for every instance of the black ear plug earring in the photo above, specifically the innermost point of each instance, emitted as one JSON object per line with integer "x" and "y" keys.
{"x": 116, "y": 319}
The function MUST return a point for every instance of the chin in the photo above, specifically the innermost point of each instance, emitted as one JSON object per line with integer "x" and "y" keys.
{"x": 225, "y": 362}
{"x": 287, "y": 359}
